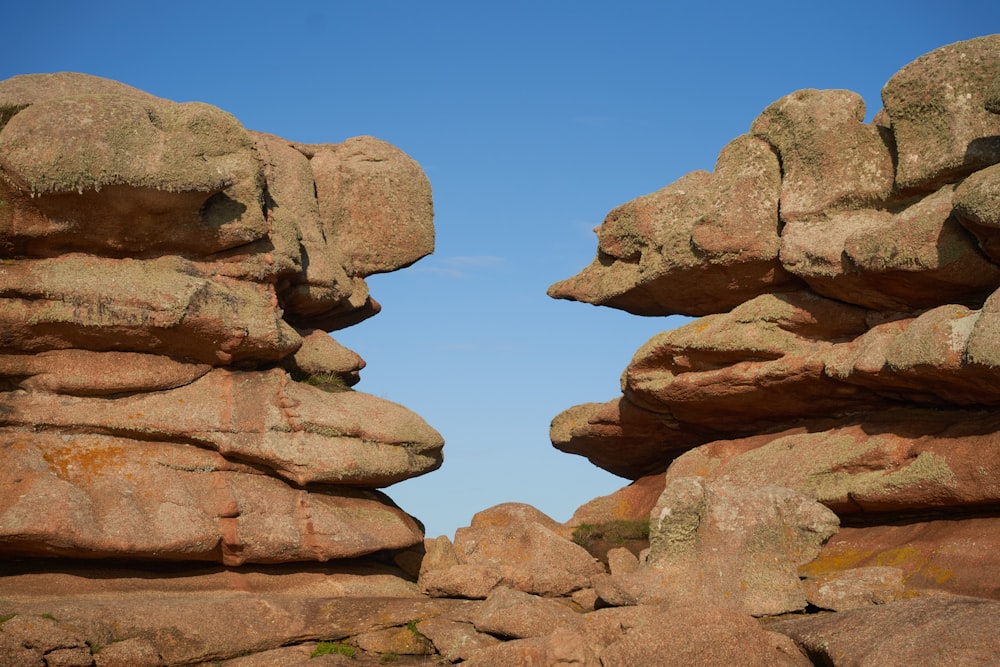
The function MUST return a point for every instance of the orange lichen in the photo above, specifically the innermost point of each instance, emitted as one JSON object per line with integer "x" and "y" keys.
{"x": 84, "y": 460}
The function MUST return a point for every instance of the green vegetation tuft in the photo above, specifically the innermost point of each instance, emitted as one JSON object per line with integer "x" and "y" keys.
{"x": 48, "y": 616}
{"x": 325, "y": 381}
{"x": 388, "y": 657}
{"x": 6, "y": 617}
{"x": 421, "y": 637}
{"x": 333, "y": 648}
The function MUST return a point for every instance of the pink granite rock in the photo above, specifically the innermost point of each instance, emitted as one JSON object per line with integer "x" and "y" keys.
{"x": 852, "y": 589}
{"x": 515, "y": 614}
{"x": 167, "y": 386}
{"x": 938, "y": 631}
{"x": 936, "y": 107}
{"x": 702, "y": 636}
{"x": 511, "y": 545}
{"x": 868, "y": 381}
{"x": 702, "y": 244}
{"x": 724, "y": 545}
{"x": 562, "y": 647}
{"x": 893, "y": 461}
{"x": 830, "y": 159}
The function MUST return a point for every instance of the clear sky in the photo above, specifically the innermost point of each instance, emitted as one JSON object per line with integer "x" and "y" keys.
{"x": 532, "y": 121}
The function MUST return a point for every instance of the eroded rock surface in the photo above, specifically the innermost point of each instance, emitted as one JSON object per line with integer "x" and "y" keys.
{"x": 167, "y": 386}
{"x": 169, "y": 394}
{"x": 847, "y": 350}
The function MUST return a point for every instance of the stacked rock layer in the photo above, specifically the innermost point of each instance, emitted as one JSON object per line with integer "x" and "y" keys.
{"x": 168, "y": 389}
{"x": 845, "y": 279}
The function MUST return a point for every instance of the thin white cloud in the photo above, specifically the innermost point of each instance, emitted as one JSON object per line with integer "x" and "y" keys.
{"x": 479, "y": 261}
{"x": 459, "y": 266}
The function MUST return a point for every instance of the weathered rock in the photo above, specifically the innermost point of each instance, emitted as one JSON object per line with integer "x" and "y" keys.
{"x": 102, "y": 496}
{"x": 897, "y": 460}
{"x": 40, "y": 639}
{"x": 630, "y": 503}
{"x": 621, "y": 437}
{"x": 375, "y": 201}
{"x": 529, "y": 557}
{"x": 513, "y": 515}
{"x": 936, "y": 106}
{"x": 514, "y": 614}
{"x": 562, "y": 647}
{"x": 158, "y": 305}
{"x": 977, "y": 207}
{"x": 299, "y": 432}
{"x": 759, "y": 365}
{"x": 947, "y": 355}
{"x": 701, "y": 636}
{"x": 299, "y": 655}
{"x": 860, "y": 375}
{"x": 466, "y": 580}
{"x": 934, "y": 631}
{"x": 455, "y": 640}
{"x": 622, "y": 561}
{"x": 115, "y": 136}
{"x": 133, "y": 652}
{"x": 205, "y": 624}
{"x": 829, "y": 158}
{"x": 704, "y": 243}
{"x": 86, "y": 373}
{"x": 325, "y": 363}
{"x": 723, "y": 545}
{"x": 585, "y": 599}
{"x": 851, "y": 589}
{"x": 406, "y": 640}
{"x": 439, "y": 553}
{"x": 947, "y": 552}
{"x": 166, "y": 281}
{"x": 313, "y": 282}
{"x": 916, "y": 258}
{"x": 512, "y": 545}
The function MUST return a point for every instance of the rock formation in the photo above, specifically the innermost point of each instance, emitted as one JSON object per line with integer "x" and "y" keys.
{"x": 845, "y": 277}
{"x": 169, "y": 391}
{"x": 177, "y": 426}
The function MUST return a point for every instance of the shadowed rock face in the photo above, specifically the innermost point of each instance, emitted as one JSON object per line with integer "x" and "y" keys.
{"x": 845, "y": 275}
{"x": 167, "y": 279}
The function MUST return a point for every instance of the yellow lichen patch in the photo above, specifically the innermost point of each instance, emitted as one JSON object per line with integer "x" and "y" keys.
{"x": 915, "y": 563}
{"x": 84, "y": 460}
{"x": 938, "y": 575}
{"x": 907, "y": 558}
{"x": 835, "y": 559}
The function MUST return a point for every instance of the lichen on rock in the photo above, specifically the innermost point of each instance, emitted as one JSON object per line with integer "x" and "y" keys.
{"x": 168, "y": 281}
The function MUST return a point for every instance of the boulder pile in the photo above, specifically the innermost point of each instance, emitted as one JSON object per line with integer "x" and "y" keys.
{"x": 188, "y": 477}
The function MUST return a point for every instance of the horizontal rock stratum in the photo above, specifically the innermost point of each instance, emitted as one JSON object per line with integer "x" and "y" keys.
{"x": 167, "y": 386}
{"x": 845, "y": 276}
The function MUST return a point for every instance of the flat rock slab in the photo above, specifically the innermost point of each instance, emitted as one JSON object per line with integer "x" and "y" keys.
{"x": 946, "y": 630}
{"x": 212, "y": 620}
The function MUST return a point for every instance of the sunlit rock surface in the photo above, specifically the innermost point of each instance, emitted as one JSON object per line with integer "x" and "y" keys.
{"x": 167, "y": 386}
{"x": 860, "y": 368}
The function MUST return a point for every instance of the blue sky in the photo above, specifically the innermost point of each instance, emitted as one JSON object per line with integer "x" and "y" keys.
{"x": 532, "y": 120}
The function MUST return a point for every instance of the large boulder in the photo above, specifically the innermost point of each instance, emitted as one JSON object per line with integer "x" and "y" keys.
{"x": 937, "y": 108}
{"x": 511, "y": 546}
{"x": 168, "y": 389}
{"x": 936, "y": 631}
{"x": 722, "y": 545}
{"x": 857, "y": 368}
